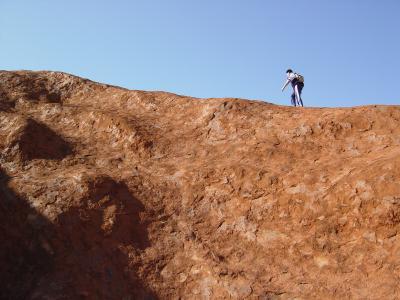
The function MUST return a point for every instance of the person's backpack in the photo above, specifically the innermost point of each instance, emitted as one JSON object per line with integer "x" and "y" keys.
{"x": 299, "y": 77}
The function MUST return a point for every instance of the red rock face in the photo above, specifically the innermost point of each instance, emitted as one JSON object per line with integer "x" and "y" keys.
{"x": 107, "y": 193}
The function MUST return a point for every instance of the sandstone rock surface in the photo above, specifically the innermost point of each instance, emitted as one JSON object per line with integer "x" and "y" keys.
{"x": 108, "y": 193}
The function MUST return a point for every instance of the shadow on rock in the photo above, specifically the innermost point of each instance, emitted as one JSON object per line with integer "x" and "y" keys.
{"x": 40, "y": 142}
{"x": 92, "y": 252}
{"x": 25, "y": 255}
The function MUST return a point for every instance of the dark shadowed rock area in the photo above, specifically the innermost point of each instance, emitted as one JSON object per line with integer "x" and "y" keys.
{"x": 108, "y": 193}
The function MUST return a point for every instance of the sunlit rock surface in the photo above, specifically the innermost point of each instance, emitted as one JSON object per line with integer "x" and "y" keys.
{"x": 108, "y": 193}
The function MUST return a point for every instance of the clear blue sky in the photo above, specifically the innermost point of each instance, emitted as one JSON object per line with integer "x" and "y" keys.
{"x": 347, "y": 50}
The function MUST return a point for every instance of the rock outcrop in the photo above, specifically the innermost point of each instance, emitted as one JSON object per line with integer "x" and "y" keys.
{"x": 108, "y": 193}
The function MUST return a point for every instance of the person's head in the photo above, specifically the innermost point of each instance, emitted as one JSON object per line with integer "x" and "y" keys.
{"x": 289, "y": 71}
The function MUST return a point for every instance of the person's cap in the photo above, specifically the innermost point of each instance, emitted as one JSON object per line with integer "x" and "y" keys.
{"x": 289, "y": 71}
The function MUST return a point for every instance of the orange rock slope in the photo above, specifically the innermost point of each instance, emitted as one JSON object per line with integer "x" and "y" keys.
{"x": 108, "y": 193}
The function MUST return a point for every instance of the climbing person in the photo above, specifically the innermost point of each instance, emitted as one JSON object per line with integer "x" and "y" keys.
{"x": 297, "y": 82}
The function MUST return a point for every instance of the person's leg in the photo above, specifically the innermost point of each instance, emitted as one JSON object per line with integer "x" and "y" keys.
{"x": 299, "y": 89}
{"x": 293, "y": 98}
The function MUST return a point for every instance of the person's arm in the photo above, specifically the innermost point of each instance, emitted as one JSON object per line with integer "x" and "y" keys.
{"x": 285, "y": 85}
{"x": 290, "y": 77}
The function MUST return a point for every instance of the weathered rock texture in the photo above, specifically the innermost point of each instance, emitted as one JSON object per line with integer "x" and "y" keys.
{"x": 107, "y": 193}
